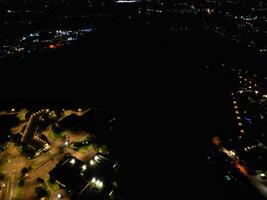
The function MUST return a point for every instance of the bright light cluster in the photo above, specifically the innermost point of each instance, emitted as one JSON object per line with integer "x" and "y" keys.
{"x": 99, "y": 184}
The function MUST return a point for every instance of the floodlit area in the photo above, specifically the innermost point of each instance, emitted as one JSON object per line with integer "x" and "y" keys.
{"x": 240, "y": 154}
{"x": 37, "y": 141}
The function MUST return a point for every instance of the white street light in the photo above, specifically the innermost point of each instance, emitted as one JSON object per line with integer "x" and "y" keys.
{"x": 59, "y": 196}
{"x": 72, "y": 161}
{"x": 97, "y": 158}
{"x": 84, "y": 167}
{"x": 92, "y": 162}
{"x": 100, "y": 184}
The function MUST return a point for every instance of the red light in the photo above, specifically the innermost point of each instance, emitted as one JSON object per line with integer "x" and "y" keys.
{"x": 52, "y": 46}
{"x": 242, "y": 168}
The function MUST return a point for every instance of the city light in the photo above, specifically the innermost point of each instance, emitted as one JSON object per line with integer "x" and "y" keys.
{"x": 13, "y": 109}
{"x": 52, "y": 46}
{"x": 93, "y": 180}
{"x": 92, "y": 162}
{"x": 72, "y": 161}
{"x": 127, "y": 1}
{"x": 99, "y": 184}
{"x": 97, "y": 159}
{"x": 59, "y": 196}
{"x": 47, "y": 146}
{"x": 84, "y": 167}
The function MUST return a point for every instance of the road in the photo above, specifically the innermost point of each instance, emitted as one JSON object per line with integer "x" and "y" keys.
{"x": 248, "y": 87}
{"x": 259, "y": 183}
{"x": 11, "y": 186}
{"x": 12, "y": 170}
{"x": 41, "y": 165}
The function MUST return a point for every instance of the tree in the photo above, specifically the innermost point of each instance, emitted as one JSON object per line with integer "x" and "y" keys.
{"x": 41, "y": 192}
{"x": 40, "y": 180}
{"x": 2, "y": 176}
{"x": 21, "y": 182}
{"x": 25, "y": 170}
{"x": 51, "y": 180}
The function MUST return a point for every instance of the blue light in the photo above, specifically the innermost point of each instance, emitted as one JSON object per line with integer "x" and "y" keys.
{"x": 247, "y": 119}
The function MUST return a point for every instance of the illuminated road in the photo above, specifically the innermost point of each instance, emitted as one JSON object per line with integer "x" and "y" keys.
{"x": 259, "y": 183}
{"x": 248, "y": 86}
{"x": 11, "y": 186}
{"x": 41, "y": 165}
{"x": 12, "y": 170}
{"x": 46, "y": 163}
